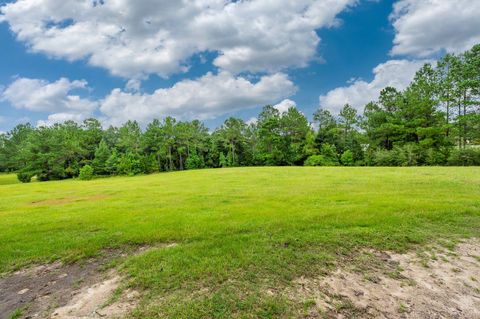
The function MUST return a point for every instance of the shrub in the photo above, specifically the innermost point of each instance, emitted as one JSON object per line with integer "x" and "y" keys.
{"x": 194, "y": 161}
{"x": 389, "y": 158}
{"x": 24, "y": 177}
{"x": 86, "y": 173}
{"x": 129, "y": 164}
{"x": 319, "y": 160}
{"x": 409, "y": 153}
{"x": 464, "y": 157}
{"x": 347, "y": 158}
{"x": 314, "y": 160}
{"x": 435, "y": 157}
{"x": 329, "y": 153}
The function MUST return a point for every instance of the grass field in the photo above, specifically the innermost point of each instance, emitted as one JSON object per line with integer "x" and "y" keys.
{"x": 238, "y": 230}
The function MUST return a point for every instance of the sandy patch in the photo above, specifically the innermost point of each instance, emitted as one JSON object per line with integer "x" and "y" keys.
{"x": 78, "y": 290}
{"x": 91, "y": 302}
{"x": 439, "y": 284}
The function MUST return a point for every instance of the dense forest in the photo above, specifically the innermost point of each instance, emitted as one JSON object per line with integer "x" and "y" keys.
{"x": 434, "y": 121}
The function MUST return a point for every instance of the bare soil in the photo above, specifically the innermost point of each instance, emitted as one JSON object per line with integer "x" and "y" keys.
{"x": 41, "y": 289}
{"x": 435, "y": 284}
{"x": 70, "y": 291}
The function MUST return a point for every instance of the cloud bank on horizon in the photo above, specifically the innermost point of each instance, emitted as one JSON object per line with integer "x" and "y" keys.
{"x": 254, "y": 52}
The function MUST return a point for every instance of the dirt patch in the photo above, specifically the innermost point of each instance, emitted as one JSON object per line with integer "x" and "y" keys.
{"x": 67, "y": 200}
{"x": 78, "y": 290}
{"x": 437, "y": 284}
{"x": 40, "y": 289}
{"x": 92, "y": 302}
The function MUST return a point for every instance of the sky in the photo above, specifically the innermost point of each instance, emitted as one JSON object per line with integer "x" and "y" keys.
{"x": 120, "y": 60}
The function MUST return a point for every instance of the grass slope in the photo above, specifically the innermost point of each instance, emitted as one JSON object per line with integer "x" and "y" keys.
{"x": 240, "y": 231}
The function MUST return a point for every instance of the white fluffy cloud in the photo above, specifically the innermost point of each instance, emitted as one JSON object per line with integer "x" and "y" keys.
{"x": 207, "y": 97}
{"x": 285, "y": 105}
{"x": 137, "y": 38}
{"x": 62, "y": 117}
{"x": 56, "y": 97}
{"x": 43, "y": 96}
{"x": 396, "y": 73}
{"x": 429, "y": 26}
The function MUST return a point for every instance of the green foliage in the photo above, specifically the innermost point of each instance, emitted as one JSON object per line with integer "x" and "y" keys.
{"x": 464, "y": 157}
{"x": 194, "y": 161}
{"x": 86, "y": 173}
{"x": 329, "y": 154}
{"x": 315, "y": 160}
{"x": 102, "y": 154}
{"x": 389, "y": 158}
{"x": 24, "y": 177}
{"x": 223, "y": 160}
{"x": 111, "y": 165}
{"x": 130, "y": 164}
{"x": 347, "y": 158}
{"x": 434, "y": 157}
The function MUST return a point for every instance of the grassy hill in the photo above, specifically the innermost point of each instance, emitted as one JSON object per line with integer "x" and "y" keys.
{"x": 237, "y": 231}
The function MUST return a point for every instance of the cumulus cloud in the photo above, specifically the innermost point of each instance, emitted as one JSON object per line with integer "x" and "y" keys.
{"x": 51, "y": 97}
{"x": 207, "y": 97}
{"x": 43, "y": 96}
{"x": 136, "y": 38}
{"x": 61, "y": 118}
{"x": 396, "y": 73}
{"x": 285, "y": 105}
{"x": 252, "y": 121}
{"x": 430, "y": 26}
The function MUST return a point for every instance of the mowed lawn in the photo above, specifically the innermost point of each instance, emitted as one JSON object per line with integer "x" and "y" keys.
{"x": 239, "y": 231}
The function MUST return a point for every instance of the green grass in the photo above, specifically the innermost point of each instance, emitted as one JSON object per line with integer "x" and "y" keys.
{"x": 240, "y": 231}
{"x": 7, "y": 179}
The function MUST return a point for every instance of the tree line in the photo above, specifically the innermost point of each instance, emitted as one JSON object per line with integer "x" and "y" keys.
{"x": 434, "y": 121}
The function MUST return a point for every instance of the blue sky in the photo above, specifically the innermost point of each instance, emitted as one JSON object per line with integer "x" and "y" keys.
{"x": 62, "y": 60}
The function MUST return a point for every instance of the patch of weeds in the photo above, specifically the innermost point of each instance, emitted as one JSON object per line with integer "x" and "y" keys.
{"x": 307, "y": 304}
{"x": 396, "y": 274}
{"x": 424, "y": 259}
{"x": 408, "y": 282}
{"x": 78, "y": 283}
{"x": 345, "y": 306}
{"x": 402, "y": 308}
{"x": 372, "y": 278}
{"x": 18, "y": 313}
{"x": 456, "y": 270}
{"x": 477, "y": 258}
{"x": 117, "y": 293}
{"x": 473, "y": 279}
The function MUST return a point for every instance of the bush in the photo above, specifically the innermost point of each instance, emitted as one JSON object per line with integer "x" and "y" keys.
{"x": 329, "y": 153}
{"x": 347, "y": 158}
{"x": 319, "y": 160}
{"x": 389, "y": 158}
{"x": 314, "y": 160}
{"x": 194, "y": 161}
{"x": 130, "y": 164}
{"x": 464, "y": 157}
{"x": 435, "y": 157}
{"x": 24, "y": 177}
{"x": 86, "y": 173}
